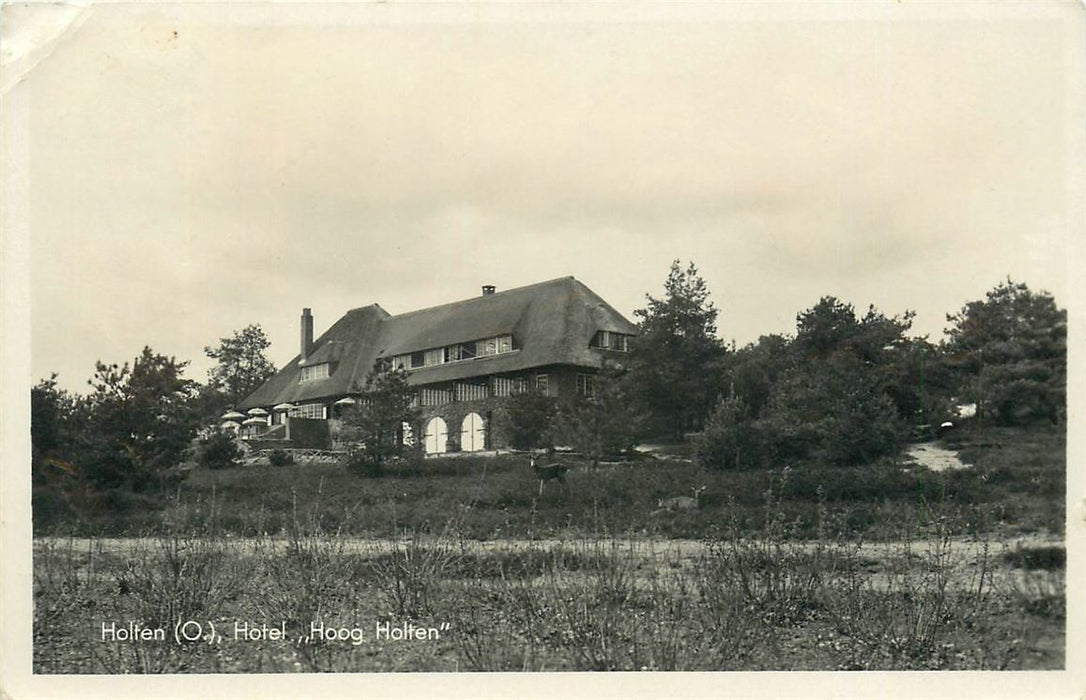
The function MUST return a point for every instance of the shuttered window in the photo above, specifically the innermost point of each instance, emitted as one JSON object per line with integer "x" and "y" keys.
{"x": 507, "y": 386}
{"x": 467, "y": 391}
{"x": 429, "y": 396}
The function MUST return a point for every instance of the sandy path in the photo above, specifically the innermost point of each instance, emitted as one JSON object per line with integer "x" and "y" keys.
{"x": 935, "y": 458}
{"x": 961, "y": 547}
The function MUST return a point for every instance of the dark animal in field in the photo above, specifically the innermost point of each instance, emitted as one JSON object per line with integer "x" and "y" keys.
{"x": 546, "y": 472}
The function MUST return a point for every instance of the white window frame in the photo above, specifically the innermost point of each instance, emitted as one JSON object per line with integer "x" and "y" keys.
{"x": 435, "y": 356}
{"x": 458, "y": 352}
{"x": 307, "y": 410}
{"x": 435, "y": 396}
{"x": 586, "y": 385}
{"x": 609, "y": 340}
{"x": 311, "y": 373}
{"x": 507, "y": 386}
{"x": 470, "y": 391}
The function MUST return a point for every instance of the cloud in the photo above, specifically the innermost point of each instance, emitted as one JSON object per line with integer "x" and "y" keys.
{"x": 233, "y": 174}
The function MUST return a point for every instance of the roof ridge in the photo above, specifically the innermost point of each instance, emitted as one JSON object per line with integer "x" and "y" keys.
{"x": 371, "y": 305}
{"x": 483, "y": 296}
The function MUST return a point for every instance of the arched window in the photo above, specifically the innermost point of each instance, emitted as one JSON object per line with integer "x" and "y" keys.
{"x": 472, "y": 433}
{"x": 436, "y": 434}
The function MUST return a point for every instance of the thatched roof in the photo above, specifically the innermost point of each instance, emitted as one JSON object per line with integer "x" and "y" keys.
{"x": 551, "y": 324}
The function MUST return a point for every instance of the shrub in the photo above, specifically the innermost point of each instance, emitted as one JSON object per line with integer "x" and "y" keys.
{"x": 1032, "y": 558}
{"x": 833, "y": 411}
{"x": 773, "y": 571}
{"x": 603, "y": 424}
{"x": 219, "y": 450}
{"x": 280, "y": 458}
{"x": 358, "y": 462}
{"x": 50, "y": 509}
{"x": 726, "y": 443}
{"x": 408, "y": 575}
{"x": 528, "y": 418}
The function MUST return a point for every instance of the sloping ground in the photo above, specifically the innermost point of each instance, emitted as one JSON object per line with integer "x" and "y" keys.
{"x": 935, "y": 458}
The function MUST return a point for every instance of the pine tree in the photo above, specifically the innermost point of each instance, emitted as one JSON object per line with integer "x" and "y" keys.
{"x": 242, "y": 365}
{"x": 376, "y": 423}
{"x": 1009, "y": 353}
{"x": 675, "y": 362}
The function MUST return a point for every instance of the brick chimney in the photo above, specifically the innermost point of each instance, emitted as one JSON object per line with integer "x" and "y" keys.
{"x": 307, "y": 333}
{"x": 488, "y": 289}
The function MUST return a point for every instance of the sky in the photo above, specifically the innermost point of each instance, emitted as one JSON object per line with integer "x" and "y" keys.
{"x": 194, "y": 170}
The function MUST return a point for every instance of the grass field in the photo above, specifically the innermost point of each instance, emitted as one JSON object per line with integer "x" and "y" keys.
{"x": 885, "y": 567}
{"x": 1016, "y": 484}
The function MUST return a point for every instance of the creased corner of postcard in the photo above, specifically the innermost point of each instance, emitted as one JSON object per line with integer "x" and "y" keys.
{"x": 30, "y": 32}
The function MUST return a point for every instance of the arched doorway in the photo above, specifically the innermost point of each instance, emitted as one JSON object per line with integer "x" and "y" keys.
{"x": 472, "y": 433}
{"x": 436, "y": 434}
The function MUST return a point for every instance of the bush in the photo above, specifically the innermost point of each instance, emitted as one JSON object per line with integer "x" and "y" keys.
{"x": 1045, "y": 558}
{"x": 219, "y": 450}
{"x": 359, "y": 463}
{"x": 50, "y": 509}
{"x": 726, "y": 443}
{"x": 528, "y": 418}
{"x": 603, "y": 424}
{"x": 280, "y": 458}
{"x": 833, "y": 411}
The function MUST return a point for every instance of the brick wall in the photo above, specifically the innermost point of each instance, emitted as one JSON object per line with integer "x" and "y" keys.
{"x": 562, "y": 384}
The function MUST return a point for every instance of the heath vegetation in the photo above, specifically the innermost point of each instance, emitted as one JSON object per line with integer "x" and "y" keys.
{"x": 777, "y": 522}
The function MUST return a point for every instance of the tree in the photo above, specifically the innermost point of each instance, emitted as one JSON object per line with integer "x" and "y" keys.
{"x": 138, "y": 420}
{"x": 376, "y": 423}
{"x": 922, "y": 384}
{"x": 675, "y": 362}
{"x": 834, "y": 410}
{"x": 603, "y": 423}
{"x": 838, "y": 392}
{"x": 242, "y": 366}
{"x": 218, "y": 449}
{"x": 907, "y": 369}
{"x": 1009, "y": 353}
{"x": 831, "y": 326}
{"x": 51, "y": 409}
{"x": 528, "y": 419}
{"x": 57, "y": 418}
{"x": 729, "y": 439}
{"x": 752, "y": 371}
{"x": 57, "y": 488}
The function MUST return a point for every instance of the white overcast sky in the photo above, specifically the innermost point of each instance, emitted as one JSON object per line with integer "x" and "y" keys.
{"x": 193, "y": 170}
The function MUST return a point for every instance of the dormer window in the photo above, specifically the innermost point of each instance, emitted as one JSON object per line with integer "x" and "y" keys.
{"x": 494, "y": 346}
{"x": 313, "y": 372}
{"x": 455, "y": 353}
{"x": 609, "y": 340}
{"x": 463, "y": 351}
